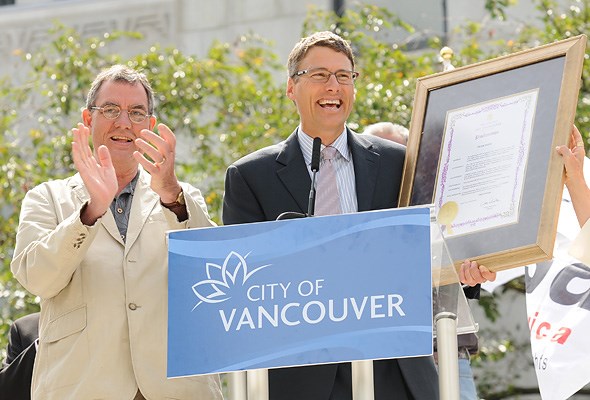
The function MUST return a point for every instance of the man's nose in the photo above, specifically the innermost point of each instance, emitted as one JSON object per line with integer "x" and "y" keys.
{"x": 333, "y": 83}
{"x": 123, "y": 119}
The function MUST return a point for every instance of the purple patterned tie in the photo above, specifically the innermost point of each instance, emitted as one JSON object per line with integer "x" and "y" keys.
{"x": 328, "y": 197}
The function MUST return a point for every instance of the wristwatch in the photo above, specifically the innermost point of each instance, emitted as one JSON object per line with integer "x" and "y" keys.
{"x": 178, "y": 202}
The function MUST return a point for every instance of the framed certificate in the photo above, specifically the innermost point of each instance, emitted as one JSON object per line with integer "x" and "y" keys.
{"x": 482, "y": 150}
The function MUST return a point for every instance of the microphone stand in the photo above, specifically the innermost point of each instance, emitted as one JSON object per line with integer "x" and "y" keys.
{"x": 311, "y": 203}
{"x": 290, "y": 215}
{"x": 315, "y": 167}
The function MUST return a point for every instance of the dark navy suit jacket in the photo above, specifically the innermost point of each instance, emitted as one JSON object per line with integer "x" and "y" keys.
{"x": 17, "y": 371}
{"x": 261, "y": 186}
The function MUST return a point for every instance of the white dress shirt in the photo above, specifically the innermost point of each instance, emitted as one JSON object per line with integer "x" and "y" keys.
{"x": 343, "y": 165}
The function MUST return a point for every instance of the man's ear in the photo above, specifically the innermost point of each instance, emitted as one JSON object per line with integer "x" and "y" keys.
{"x": 290, "y": 89}
{"x": 153, "y": 121}
{"x": 86, "y": 117}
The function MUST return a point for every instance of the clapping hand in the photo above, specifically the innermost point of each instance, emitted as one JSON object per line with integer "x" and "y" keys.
{"x": 162, "y": 150}
{"x": 98, "y": 175}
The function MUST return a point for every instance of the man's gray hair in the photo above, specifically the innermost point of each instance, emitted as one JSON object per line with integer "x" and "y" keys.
{"x": 120, "y": 73}
{"x": 390, "y": 131}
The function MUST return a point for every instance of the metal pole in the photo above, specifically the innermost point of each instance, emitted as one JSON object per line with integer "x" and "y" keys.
{"x": 338, "y": 7}
{"x": 448, "y": 365}
{"x": 362, "y": 380}
{"x": 445, "y": 12}
{"x": 237, "y": 387}
{"x": 257, "y": 382}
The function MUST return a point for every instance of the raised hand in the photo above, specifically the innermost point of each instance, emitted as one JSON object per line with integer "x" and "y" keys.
{"x": 471, "y": 273}
{"x": 573, "y": 156}
{"x": 162, "y": 150}
{"x": 99, "y": 176}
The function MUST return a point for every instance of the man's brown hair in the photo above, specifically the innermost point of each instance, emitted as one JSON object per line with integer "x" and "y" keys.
{"x": 321, "y": 39}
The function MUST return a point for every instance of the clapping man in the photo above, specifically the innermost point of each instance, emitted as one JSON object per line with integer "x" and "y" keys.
{"x": 93, "y": 248}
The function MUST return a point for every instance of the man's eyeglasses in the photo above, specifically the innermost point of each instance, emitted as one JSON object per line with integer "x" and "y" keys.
{"x": 111, "y": 111}
{"x": 322, "y": 75}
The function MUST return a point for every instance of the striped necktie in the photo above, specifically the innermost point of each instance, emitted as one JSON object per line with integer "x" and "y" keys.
{"x": 328, "y": 197}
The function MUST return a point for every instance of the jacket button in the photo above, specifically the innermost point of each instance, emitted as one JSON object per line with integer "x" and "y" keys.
{"x": 132, "y": 306}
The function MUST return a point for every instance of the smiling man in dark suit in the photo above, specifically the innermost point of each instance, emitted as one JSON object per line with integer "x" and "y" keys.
{"x": 367, "y": 176}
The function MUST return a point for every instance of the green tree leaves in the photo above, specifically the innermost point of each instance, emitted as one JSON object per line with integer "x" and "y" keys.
{"x": 227, "y": 103}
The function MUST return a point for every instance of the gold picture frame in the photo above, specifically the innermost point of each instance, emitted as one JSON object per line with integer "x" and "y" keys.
{"x": 553, "y": 73}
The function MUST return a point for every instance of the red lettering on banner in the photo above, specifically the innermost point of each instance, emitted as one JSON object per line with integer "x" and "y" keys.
{"x": 543, "y": 330}
{"x": 561, "y": 335}
{"x": 543, "y": 326}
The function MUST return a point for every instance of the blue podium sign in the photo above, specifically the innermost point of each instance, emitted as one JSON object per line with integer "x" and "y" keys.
{"x": 299, "y": 292}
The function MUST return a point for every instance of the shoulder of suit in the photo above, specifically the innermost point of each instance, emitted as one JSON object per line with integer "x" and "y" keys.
{"x": 268, "y": 153}
{"x": 51, "y": 186}
{"x": 379, "y": 144}
{"x": 28, "y": 322}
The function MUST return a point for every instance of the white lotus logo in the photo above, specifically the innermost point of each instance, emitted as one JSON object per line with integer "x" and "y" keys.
{"x": 223, "y": 278}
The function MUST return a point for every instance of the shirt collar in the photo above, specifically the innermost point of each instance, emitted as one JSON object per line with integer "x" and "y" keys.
{"x": 306, "y": 144}
{"x": 130, "y": 188}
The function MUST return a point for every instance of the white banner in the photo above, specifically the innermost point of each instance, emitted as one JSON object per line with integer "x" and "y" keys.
{"x": 558, "y": 308}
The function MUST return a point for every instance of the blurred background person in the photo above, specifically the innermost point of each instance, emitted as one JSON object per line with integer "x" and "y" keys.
{"x": 468, "y": 344}
{"x": 17, "y": 371}
{"x": 388, "y": 130}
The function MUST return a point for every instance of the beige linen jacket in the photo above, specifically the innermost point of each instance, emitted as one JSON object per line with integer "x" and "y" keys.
{"x": 104, "y": 302}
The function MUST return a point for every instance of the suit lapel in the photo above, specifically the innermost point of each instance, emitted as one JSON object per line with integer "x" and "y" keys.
{"x": 366, "y": 166}
{"x": 293, "y": 173}
{"x": 107, "y": 220}
{"x": 144, "y": 201}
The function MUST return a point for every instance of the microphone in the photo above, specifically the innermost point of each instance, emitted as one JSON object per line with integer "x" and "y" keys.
{"x": 290, "y": 215}
{"x": 315, "y": 167}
